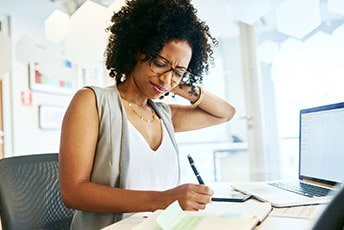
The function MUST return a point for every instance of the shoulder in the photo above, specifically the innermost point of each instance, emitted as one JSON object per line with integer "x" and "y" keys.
{"x": 83, "y": 104}
{"x": 102, "y": 94}
{"x": 102, "y": 90}
{"x": 83, "y": 95}
{"x": 98, "y": 96}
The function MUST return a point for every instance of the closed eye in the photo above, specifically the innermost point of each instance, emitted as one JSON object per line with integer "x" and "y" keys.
{"x": 179, "y": 72}
{"x": 160, "y": 63}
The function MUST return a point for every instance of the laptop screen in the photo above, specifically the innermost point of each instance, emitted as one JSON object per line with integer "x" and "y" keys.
{"x": 321, "y": 143}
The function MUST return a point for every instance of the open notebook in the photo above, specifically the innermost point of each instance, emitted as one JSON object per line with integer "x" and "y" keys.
{"x": 218, "y": 215}
{"x": 321, "y": 161}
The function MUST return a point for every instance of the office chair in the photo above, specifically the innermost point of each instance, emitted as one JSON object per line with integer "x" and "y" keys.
{"x": 332, "y": 216}
{"x": 30, "y": 193}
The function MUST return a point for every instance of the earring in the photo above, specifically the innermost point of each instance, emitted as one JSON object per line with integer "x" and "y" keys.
{"x": 123, "y": 78}
{"x": 112, "y": 73}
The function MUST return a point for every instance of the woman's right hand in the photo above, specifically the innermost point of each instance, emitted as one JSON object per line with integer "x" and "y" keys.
{"x": 192, "y": 196}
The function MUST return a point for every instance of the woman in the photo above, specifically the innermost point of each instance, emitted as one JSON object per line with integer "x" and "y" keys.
{"x": 118, "y": 153}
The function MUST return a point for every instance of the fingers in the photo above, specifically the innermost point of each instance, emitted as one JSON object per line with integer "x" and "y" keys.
{"x": 194, "y": 197}
{"x": 203, "y": 189}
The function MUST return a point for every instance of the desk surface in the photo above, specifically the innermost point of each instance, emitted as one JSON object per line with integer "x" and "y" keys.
{"x": 300, "y": 218}
{"x": 284, "y": 223}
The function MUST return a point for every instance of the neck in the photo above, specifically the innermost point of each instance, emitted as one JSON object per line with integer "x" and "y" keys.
{"x": 132, "y": 96}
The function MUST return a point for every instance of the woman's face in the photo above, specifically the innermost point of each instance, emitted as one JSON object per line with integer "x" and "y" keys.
{"x": 156, "y": 77}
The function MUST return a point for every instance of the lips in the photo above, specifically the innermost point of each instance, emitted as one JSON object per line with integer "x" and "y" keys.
{"x": 158, "y": 88}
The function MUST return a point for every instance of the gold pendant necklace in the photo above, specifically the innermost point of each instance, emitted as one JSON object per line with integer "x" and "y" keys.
{"x": 141, "y": 117}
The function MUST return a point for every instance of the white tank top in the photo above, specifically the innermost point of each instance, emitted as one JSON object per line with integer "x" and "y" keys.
{"x": 149, "y": 169}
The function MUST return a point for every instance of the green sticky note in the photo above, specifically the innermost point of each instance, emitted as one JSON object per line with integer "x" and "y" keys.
{"x": 174, "y": 218}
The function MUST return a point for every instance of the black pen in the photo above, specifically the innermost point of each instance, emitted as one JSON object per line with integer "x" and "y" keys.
{"x": 194, "y": 169}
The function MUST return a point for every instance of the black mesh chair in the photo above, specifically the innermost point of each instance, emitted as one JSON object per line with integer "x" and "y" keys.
{"x": 30, "y": 193}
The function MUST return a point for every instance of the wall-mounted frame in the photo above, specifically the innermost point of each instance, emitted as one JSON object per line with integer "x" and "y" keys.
{"x": 60, "y": 81}
{"x": 50, "y": 116}
{"x": 50, "y": 70}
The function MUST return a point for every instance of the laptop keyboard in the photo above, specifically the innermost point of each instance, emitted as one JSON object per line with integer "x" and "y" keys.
{"x": 302, "y": 189}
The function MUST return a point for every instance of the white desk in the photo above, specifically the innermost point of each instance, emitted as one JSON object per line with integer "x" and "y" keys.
{"x": 298, "y": 218}
{"x": 282, "y": 223}
{"x": 295, "y": 218}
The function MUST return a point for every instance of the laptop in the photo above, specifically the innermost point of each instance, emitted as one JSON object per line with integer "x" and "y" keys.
{"x": 321, "y": 161}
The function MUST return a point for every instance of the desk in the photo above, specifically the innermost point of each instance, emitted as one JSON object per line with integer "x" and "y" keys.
{"x": 298, "y": 218}
{"x": 282, "y": 223}
{"x": 279, "y": 218}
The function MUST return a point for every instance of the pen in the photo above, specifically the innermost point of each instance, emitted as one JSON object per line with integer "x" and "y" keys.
{"x": 194, "y": 169}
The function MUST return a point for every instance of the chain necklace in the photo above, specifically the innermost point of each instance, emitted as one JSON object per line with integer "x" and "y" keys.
{"x": 141, "y": 117}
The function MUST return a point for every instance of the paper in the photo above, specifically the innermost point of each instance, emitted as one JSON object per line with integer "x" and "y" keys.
{"x": 250, "y": 208}
{"x": 304, "y": 212}
{"x": 174, "y": 218}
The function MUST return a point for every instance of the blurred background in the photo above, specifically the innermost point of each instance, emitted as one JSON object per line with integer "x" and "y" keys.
{"x": 274, "y": 58}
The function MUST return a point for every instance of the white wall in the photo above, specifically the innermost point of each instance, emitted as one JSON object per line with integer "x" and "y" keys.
{"x": 23, "y": 134}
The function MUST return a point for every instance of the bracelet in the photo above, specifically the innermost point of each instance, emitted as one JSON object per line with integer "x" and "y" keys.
{"x": 199, "y": 99}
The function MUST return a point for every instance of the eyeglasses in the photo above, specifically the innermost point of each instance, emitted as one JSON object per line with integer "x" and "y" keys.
{"x": 160, "y": 65}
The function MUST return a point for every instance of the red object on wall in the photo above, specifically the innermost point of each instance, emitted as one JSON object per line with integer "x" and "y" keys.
{"x": 26, "y": 98}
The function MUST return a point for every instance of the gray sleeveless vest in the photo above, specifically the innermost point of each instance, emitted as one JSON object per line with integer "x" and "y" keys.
{"x": 112, "y": 153}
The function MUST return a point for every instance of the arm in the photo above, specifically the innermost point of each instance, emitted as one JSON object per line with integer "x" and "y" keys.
{"x": 77, "y": 151}
{"x": 211, "y": 110}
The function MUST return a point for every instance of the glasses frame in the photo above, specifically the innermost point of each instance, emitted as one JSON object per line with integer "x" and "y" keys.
{"x": 176, "y": 76}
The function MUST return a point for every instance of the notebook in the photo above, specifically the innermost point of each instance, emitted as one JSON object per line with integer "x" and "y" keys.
{"x": 218, "y": 216}
{"x": 321, "y": 161}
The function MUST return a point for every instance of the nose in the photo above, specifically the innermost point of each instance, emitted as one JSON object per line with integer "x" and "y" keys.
{"x": 167, "y": 77}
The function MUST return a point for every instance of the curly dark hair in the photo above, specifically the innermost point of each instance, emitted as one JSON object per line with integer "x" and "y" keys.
{"x": 144, "y": 26}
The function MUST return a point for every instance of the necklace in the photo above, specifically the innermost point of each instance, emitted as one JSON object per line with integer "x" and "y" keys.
{"x": 141, "y": 117}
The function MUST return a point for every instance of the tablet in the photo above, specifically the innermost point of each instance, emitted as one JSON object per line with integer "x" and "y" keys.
{"x": 231, "y": 197}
